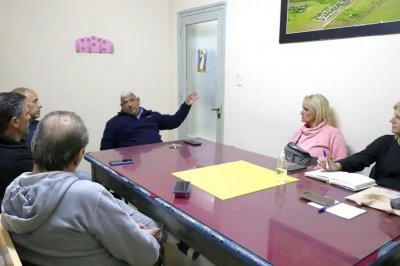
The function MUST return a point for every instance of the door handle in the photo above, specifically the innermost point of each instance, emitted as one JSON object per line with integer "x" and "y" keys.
{"x": 218, "y": 110}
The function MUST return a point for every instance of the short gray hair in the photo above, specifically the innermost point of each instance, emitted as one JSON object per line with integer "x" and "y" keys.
{"x": 12, "y": 104}
{"x": 396, "y": 106}
{"x": 125, "y": 93}
{"x": 58, "y": 140}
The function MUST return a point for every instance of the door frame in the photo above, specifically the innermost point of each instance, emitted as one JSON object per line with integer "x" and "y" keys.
{"x": 206, "y": 13}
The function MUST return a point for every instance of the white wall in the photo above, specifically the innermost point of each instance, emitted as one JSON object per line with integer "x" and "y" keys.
{"x": 358, "y": 75}
{"x": 38, "y": 51}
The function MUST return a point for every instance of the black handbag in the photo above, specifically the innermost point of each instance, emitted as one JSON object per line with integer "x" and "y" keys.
{"x": 297, "y": 155}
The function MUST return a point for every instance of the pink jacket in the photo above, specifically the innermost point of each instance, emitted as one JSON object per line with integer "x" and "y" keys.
{"x": 322, "y": 137}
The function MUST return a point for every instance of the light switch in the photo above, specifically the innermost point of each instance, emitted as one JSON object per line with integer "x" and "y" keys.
{"x": 239, "y": 80}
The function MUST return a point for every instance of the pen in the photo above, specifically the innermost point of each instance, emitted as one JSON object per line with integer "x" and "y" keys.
{"x": 323, "y": 209}
{"x": 326, "y": 160}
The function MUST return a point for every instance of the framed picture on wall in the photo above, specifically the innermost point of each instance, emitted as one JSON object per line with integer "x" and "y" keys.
{"x": 303, "y": 20}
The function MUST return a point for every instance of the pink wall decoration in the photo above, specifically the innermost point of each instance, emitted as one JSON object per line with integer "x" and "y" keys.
{"x": 93, "y": 44}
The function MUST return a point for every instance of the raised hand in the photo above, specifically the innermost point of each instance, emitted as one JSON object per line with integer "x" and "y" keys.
{"x": 191, "y": 98}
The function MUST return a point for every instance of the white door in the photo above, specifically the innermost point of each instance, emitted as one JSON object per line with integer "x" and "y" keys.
{"x": 201, "y": 67}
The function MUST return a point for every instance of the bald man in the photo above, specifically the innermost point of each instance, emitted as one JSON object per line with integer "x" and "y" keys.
{"x": 34, "y": 106}
{"x": 135, "y": 125}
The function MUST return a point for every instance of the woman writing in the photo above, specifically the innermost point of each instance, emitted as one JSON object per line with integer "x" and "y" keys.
{"x": 384, "y": 152}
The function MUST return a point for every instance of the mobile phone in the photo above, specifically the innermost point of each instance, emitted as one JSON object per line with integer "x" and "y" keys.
{"x": 121, "y": 162}
{"x": 182, "y": 189}
{"x": 192, "y": 142}
{"x": 317, "y": 198}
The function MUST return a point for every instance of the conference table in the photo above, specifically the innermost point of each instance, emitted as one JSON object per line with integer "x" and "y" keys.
{"x": 268, "y": 227}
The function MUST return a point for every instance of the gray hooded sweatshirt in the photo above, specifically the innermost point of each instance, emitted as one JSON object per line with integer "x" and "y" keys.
{"x": 54, "y": 218}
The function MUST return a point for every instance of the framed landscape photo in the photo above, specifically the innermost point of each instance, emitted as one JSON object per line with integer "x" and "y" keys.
{"x": 303, "y": 20}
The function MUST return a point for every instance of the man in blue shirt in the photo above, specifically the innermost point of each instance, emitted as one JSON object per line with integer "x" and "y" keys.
{"x": 135, "y": 125}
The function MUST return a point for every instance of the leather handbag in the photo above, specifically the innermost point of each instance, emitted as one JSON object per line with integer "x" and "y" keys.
{"x": 297, "y": 155}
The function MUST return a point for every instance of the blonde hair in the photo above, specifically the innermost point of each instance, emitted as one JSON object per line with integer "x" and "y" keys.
{"x": 319, "y": 106}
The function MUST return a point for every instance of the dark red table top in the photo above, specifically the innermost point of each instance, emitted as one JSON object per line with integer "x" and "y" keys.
{"x": 274, "y": 223}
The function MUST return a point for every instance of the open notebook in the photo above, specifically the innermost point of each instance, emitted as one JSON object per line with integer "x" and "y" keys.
{"x": 351, "y": 181}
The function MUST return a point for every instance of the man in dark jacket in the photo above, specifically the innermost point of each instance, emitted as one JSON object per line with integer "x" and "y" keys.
{"x": 134, "y": 125}
{"x": 15, "y": 155}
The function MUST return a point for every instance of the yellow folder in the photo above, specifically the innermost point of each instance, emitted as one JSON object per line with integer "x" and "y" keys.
{"x": 229, "y": 180}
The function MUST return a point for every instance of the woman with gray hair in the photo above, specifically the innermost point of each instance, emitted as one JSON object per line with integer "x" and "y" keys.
{"x": 384, "y": 152}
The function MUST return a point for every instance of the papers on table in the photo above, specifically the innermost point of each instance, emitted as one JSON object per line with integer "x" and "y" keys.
{"x": 343, "y": 210}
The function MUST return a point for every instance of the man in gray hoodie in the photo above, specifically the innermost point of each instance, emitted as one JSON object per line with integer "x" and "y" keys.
{"x": 55, "y": 218}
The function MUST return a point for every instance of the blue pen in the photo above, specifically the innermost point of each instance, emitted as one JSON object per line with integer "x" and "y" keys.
{"x": 323, "y": 209}
{"x": 326, "y": 160}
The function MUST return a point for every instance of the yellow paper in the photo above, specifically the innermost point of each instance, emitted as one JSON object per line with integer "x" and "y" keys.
{"x": 232, "y": 179}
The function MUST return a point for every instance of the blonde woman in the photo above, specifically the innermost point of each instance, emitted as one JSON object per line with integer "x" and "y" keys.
{"x": 317, "y": 135}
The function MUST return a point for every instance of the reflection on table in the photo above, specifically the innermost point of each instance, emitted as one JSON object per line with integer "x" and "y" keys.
{"x": 268, "y": 226}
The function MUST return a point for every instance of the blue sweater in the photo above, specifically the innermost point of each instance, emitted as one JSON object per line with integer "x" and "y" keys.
{"x": 32, "y": 129}
{"x": 124, "y": 130}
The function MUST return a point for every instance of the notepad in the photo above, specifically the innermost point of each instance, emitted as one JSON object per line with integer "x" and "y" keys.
{"x": 342, "y": 209}
{"x": 351, "y": 181}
